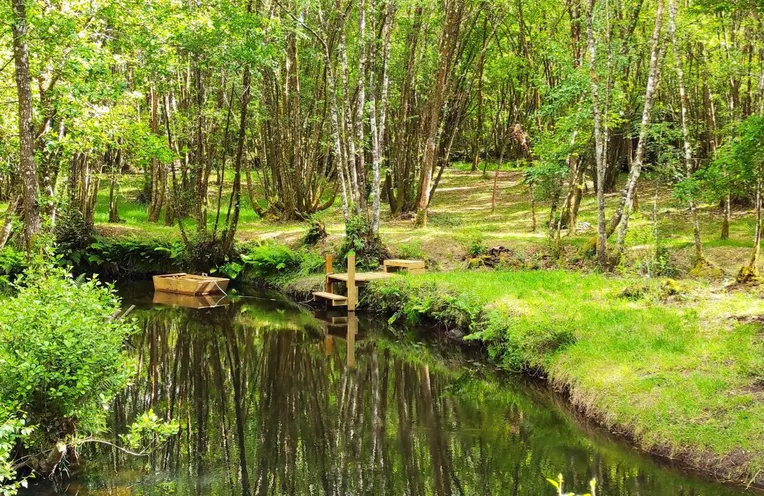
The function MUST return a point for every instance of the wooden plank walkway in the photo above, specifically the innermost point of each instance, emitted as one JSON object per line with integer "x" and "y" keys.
{"x": 353, "y": 279}
{"x": 361, "y": 277}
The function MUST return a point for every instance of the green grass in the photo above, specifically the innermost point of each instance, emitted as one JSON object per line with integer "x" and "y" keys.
{"x": 461, "y": 211}
{"x": 683, "y": 377}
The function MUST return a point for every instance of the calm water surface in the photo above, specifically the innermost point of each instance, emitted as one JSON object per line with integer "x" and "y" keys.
{"x": 275, "y": 400}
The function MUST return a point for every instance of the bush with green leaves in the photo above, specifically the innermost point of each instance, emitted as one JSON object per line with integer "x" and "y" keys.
{"x": 72, "y": 232}
{"x": 130, "y": 256}
{"x": 367, "y": 245}
{"x": 11, "y": 430}
{"x": 12, "y": 263}
{"x": 269, "y": 262}
{"x": 62, "y": 354}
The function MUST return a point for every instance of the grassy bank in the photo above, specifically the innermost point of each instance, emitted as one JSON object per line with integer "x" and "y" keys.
{"x": 682, "y": 379}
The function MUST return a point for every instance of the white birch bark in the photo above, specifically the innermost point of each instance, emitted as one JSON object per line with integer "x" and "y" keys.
{"x": 636, "y": 168}
{"x": 599, "y": 147}
{"x": 687, "y": 148}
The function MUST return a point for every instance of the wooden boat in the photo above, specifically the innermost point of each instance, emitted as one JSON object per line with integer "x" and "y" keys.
{"x": 190, "y": 284}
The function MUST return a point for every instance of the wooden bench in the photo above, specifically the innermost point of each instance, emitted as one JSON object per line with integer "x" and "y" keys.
{"x": 410, "y": 266}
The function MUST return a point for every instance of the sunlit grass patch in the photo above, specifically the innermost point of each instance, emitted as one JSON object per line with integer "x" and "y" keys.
{"x": 681, "y": 375}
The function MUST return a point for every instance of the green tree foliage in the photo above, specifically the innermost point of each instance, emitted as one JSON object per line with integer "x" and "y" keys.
{"x": 62, "y": 355}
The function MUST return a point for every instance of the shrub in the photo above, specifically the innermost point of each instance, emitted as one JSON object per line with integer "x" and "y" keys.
{"x": 367, "y": 245}
{"x": 11, "y": 429}
{"x": 412, "y": 250}
{"x": 269, "y": 260}
{"x": 61, "y": 354}
{"x": 12, "y": 263}
{"x": 130, "y": 256}
{"x": 316, "y": 232}
{"x": 206, "y": 253}
{"x": 476, "y": 246}
{"x": 72, "y": 232}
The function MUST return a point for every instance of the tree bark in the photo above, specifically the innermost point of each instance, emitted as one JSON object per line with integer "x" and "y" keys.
{"x": 599, "y": 146}
{"x": 454, "y": 13}
{"x": 687, "y": 148}
{"x": 27, "y": 166}
{"x": 5, "y": 234}
{"x": 626, "y": 205}
{"x": 378, "y": 117}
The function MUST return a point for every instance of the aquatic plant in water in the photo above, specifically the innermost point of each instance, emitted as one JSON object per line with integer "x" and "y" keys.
{"x": 560, "y": 492}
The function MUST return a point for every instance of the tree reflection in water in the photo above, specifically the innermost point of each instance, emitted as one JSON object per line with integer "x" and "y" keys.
{"x": 273, "y": 401}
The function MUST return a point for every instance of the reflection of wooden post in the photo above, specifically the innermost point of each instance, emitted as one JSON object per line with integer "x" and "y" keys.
{"x": 352, "y": 290}
{"x": 350, "y": 338}
{"x": 328, "y": 345}
{"x": 329, "y": 270}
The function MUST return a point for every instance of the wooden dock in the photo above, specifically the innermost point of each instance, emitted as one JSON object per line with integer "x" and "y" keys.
{"x": 352, "y": 279}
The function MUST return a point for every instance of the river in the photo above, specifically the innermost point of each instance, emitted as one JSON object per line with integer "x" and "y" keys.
{"x": 275, "y": 399}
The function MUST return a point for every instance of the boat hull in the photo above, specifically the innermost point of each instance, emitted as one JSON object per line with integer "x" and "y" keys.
{"x": 190, "y": 284}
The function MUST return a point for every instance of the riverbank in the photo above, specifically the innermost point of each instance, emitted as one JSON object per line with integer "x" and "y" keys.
{"x": 677, "y": 367}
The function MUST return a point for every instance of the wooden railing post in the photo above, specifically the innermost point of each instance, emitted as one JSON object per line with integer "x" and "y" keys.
{"x": 352, "y": 290}
{"x": 329, "y": 270}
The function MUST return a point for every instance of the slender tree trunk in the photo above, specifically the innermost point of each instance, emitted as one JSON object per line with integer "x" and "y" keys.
{"x": 532, "y": 195}
{"x": 454, "y": 12}
{"x": 232, "y": 218}
{"x": 752, "y": 270}
{"x": 599, "y": 140}
{"x": 157, "y": 188}
{"x": 699, "y": 258}
{"x": 378, "y": 117}
{"x": 652, "y": 83}
{"x": 27, "y": 166}
{"x": 478, "y": 137}
{"x": 114, "y": 189}
{"x": 10, "y": 212}
{"x": 175, "y": 195}
{"x": 496, "y": 178}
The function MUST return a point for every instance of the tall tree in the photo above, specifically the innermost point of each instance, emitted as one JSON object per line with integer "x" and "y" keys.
{"x": 27, "y": 166}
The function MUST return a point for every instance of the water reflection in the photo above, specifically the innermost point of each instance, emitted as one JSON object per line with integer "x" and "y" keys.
{"x": 272, "y": 400}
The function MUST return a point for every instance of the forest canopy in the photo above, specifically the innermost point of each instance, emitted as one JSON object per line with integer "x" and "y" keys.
{"x": 293, "y": 106}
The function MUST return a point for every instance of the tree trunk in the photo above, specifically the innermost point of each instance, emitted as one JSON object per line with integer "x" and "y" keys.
{"x": 624, "y": 210}
{"x": 5, "y": 234}
{"x": 454, "y": 12}
{"x": 175, "y": 210}
{"x": 699, "y": 258}
{"x": 532, "y": 195}
{"x": 599, "y": 138}
{"x": 496, "y": 177}
{"x": 751, "y": 271}
{"x": 113, "y": 201}
{"x": 157, "y": 187}
{"x": 27, "y": 166}
{"x": 232, "y": 218}
{"x": 378, "y": 117}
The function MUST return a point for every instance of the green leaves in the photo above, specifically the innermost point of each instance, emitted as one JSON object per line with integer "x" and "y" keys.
{"x": 149, "y": 430}
{"x": 62, "y": 353}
